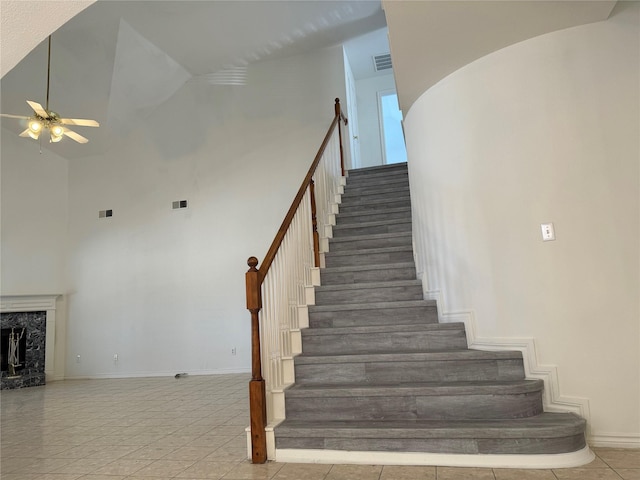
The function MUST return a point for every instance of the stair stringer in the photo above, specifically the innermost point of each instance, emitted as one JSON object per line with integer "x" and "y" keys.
{"x": 552, "y": 398}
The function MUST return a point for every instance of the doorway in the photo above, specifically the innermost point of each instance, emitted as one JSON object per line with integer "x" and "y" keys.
{"x": 391, "y": 133}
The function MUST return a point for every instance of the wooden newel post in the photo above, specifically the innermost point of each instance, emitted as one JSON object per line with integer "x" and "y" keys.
{"x": 257, "y": 395}
{"x": 339, "y": 115}
{"x": 314, "y": 225}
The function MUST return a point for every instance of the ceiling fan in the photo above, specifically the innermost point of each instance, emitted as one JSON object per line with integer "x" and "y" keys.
{"x": 45, "y": 119}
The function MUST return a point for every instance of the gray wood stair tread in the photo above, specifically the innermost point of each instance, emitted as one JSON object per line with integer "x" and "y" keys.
{"x": 379, "y": 178}
{"x": 441, "y": 355}
{"x": 386, "y": 189}
{"x": 372, "y": 305}
{"x": 362, "y": 268}
{"x": 370, "y": 236}
{"x": 378, "y": 168}
{"x": 366, "y": 186}
{"x": 358, "y": 177}
{"x": 376, "y": 212}
{"x": 540, "y": 426}
{"x": 359, "y": 174}
{"x": 391, "y": 221}
{"x": 378, "y": 201}
{"x": 368, "y": 285}
{"x": 398, "y": 188}
{"x": 410, "y": 327}
{"x": 369, "y": 251}
{"x": 424, "y": 389}
{"x": 376, "y": 182}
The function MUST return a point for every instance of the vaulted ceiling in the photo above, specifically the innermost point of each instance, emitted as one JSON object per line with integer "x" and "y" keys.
{"x": 118, "y": 57}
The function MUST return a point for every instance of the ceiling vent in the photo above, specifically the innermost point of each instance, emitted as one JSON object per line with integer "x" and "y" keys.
{"x": 228, "y": 76}
{"x": 382, "y": 62}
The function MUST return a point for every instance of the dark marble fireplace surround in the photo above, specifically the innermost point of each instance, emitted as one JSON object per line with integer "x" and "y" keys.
{"x": 34, "y": 324}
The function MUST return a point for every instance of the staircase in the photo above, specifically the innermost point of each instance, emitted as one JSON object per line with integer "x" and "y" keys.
{"x": 379, "y": 373}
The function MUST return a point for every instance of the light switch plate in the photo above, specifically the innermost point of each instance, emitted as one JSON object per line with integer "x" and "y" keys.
{"x": 548, "y": 232}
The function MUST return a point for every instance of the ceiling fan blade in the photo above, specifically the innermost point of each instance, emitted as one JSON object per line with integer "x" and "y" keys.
{"x": 8, "y": 115}
{"x": 75, "y": 136}
{"x": 25, "y": 133}
{"x": 38, "y": 109}
{"x": 81, "y": 122}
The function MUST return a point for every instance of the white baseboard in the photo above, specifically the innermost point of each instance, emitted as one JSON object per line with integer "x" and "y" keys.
{"x": 614, "y": 440}
{"x": 552, "y": 399}
{"x": 561, "y": 460}
{"x": 96, "y": 376}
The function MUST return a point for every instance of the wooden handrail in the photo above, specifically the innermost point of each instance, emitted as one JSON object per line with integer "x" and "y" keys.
{"x": 277, "y": 241}
{"x": 254, "y": 279}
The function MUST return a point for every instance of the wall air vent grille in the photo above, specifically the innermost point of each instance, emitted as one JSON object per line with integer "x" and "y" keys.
{"x": 382, "y": 62}
{"x": 228, "y": 76}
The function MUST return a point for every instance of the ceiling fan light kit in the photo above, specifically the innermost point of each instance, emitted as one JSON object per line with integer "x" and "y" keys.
{"x": 37, "y": 124}
{"x": 45, "y": 119}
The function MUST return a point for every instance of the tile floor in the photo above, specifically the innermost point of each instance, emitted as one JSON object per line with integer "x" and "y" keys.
{"x": 190, "y": 428}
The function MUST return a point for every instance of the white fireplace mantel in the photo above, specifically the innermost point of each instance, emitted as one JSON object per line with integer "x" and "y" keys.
{"x": 37, "y": 303}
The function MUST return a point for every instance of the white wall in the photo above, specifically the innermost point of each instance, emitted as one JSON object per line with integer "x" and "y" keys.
{"x": 34, "y": 218}
{"x": 369, "y": 119}
{"x": 543, "y": 131}
{"x": 163, "y": 288}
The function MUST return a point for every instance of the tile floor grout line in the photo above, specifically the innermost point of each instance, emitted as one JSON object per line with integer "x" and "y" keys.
{"x": 609, "y": 466}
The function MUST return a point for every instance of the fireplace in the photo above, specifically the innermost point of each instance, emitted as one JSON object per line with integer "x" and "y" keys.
{"x": 28, "y": 328}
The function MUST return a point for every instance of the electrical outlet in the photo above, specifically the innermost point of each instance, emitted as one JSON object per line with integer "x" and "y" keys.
{"x": 233, "y": 351}
{"x": 115, "y": 357}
